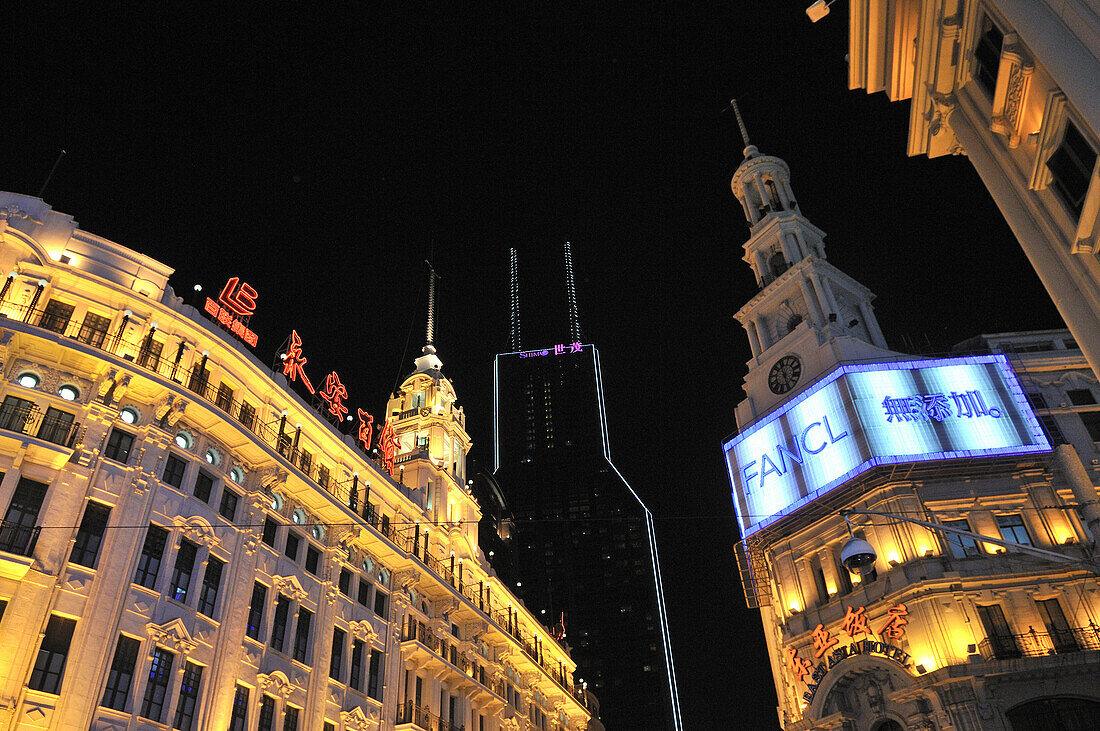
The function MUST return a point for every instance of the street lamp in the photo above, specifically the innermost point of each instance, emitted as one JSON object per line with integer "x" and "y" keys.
{"x": 858, "y": 556}
{"x": 818, "y": 10}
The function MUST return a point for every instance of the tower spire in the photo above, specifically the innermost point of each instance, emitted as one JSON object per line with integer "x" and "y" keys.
{"x": 513, "y": 272}
{"x": 571, "y": 296}
{"x": 429, "y": 361}
{"x": 750, "y": 150}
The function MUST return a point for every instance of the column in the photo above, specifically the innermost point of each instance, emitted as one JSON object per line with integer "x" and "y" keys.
{"x": 872, "y": 324}
{"x": 812, "y": 305}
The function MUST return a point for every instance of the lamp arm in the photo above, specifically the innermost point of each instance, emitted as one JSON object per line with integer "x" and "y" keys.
{"x": 1051, "y": 555}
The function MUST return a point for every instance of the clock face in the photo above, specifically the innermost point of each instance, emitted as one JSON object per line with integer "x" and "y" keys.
{"x": 784, "y": 374}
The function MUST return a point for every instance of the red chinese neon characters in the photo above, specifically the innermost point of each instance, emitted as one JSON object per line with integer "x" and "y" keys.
{"x": 334, "y": 394}
{"x": 896, "y": 619}
{"x": 293, "y": 362}
{"x": 823, "y": 640}
{"x": 387, "y": 443}
{"x": 855, "y": 623}
{"x": 238, "y": 297}
{"x": 366, "y": 428}
{"x": 799, "y": 667}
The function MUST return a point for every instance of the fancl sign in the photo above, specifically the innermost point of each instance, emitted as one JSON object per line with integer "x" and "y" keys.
{"x": 862, "y": 416}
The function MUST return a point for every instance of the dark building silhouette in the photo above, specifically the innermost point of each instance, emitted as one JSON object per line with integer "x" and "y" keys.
{"x": 585, "y": 542}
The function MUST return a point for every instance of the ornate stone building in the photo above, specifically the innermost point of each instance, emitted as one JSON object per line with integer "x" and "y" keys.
{"x": 1011, "y": 84}
{"x": 189, "y": 544}
{"x": 842, "y": 439}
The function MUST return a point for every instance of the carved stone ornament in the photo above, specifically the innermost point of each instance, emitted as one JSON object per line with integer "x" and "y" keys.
{"x": 290, "y": 587}
{"x": 12, "y": 213}
{"x": 275, "y": 683}
{"x": 199, "y": 530}
{"x": 331, "y": 595}
{"x": 364, "y": 630}
{"x": 940, "y": 108}
{"x": 406, "y": 578}
{"x": 173, "y": 635}
{"x": 272, "y": 477}
{"x": 358, "y": 720}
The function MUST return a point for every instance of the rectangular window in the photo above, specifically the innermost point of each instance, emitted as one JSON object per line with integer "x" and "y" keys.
{"x": 189, "y": 698}
{"x": 356, "y": 678}
{"x": 56, "y": 316}
{"x": 1012, "y": 529}
{"x": 247, "y": 415}
{"x": 1036, "y": 400}
{"x": 1091, "y": 420}
{"x": 290, "y": 550}
{"x": 380, "y": 603}
{"x": 15, "y": 413}
{"x": 1081, "y": 396}
{"x": 1071, "y": 168}
{"x": 345, "y": 582}
{"x": 152, "y": 553}
{"x": 386, "y": 525}
{"x": 374, "y": 688}
{"x": 1061, "y": 634}
{"x": 149, "y": 353}
{"x": 987, "y": 56}
{"x": 119, "y": 445}
{"x": 238, "y": 719}
{"x": 323, "y": 476}
{"x": 999, "y": 640}
{"x": 211, "y": 583}
{"x": 3, "y": 606}
{"x": 267, "y": 714}
{"x": 173, "y": 471}
{"x": 961, "y": 546}
{"x": 228, "y": 508}
{"x": 89, "y": 536}
{"x": 18, "y": 533}
{"x": 204, "y": 484}
{"x": 156, "y": 689}
{"x": 256, "y": 610}
{"x": 270, "y": 531}
{"x": 290, "y": 720}
{"x": 278, "y": 625}
{"x": 313, "y": 558}
{"x": 224, "y": 399}
{"x": 305, "y": 460}
{"x": 94, "y": 330}
{"x": 181, "y": 572}
{"x": 301, "y": 636}
{"x": 364, "y": 592}
{"x": 336, "y": 660}
{"x": 56, "y": 426}
{"x": 121, "y": 676}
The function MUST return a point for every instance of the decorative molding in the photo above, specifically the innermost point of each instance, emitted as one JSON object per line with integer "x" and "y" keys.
{"x": 173, "y": 635}
{"x": 276, "y": 683}
{"x": 358, "y": 720}
{"x": 198, "y": 529}
{"x": 290, "y": 587}
{"x": 364, "y": 630}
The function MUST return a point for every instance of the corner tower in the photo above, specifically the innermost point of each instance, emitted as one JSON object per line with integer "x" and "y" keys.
{"x": 808, "y": 315}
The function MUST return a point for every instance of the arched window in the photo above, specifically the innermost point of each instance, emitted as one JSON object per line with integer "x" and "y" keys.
{"x": 889, "y": 725}
{"x": 777, "y": 263}
{"x": 773, "y": 194}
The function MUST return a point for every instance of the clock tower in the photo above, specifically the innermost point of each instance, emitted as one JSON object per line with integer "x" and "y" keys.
{"x": 807, "y": 316}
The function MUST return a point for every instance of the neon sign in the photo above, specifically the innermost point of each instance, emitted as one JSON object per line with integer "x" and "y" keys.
{"x": 294, "y": 362}
{"x": 865, "y": 415}
{"x": 558, "y": 349}
{"x": 366, "y": 428}
{"x": 238, "y": 297}
{"x": 334, "y": 394}
{"x": 229, "y": 320}
{"x": 387, "y": 442}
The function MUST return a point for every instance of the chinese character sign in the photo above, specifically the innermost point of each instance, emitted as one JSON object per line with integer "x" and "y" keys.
{"x": 294, "y": 362}
{"x": 366, "y": 429}
{"x": 333, "y": 394}
{"x": 238, "y": 297}
{"x": 896, "y": 619}
{"x": 559, "y": 349}
{"x": 387, "y": 445}
{"x": 861, "y": 416}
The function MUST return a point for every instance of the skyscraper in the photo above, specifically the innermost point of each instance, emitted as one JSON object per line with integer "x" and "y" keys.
{"x": 585, "y": 539}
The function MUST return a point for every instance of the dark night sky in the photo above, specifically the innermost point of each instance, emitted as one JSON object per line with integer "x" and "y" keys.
{"x": 323, "y": 154}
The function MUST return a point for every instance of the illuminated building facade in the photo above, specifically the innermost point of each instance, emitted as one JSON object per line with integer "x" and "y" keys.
{"x": 942, "y": 631}
{"x": 1012, "y": 85}
{"x": 187, "y": 543}
{"x": 585, "y": 539}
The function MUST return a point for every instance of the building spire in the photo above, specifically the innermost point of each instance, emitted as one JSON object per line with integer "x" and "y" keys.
{"x": 513, "y": 272}
{"x": 429, "y": 360}
{"x": 571, "y": 295}
{"x": 750, "y": 149}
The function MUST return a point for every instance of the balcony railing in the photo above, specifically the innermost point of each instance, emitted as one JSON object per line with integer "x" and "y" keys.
{"x": 57, "y": 428}
{"x": 1039, "y": 644}
{"x": 422, "y": 718}
{"x": 18, "y": 539}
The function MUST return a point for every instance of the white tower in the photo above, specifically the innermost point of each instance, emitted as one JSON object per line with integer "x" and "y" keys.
{"x": 808, "y": 315}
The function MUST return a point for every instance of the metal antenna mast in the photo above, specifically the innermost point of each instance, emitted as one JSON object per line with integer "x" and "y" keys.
{"x": 513, "y": 272}
{"x": 740, "y": 122}
{"x": 432, "y": 276}
{"x": 571, "y": 295}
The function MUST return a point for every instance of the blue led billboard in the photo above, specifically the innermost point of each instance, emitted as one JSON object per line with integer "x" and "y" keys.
{"x": 861, "y": 416}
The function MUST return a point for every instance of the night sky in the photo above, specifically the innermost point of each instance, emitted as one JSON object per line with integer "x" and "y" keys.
{"x": 323, "y": 154}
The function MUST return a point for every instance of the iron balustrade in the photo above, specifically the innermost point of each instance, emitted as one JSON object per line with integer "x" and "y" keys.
{"x": 423, "y": 718}
{"x": 18, "y": 539}
{"x": 1039, "y": 644}
{"x": 57, "y": 427}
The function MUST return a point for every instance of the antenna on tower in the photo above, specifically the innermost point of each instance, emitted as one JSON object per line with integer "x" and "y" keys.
{"x": 740, "y": 122}
{"x": 432, "y": 276}
{"x": 513, "y": 273}
{"x": 571, "y": 296}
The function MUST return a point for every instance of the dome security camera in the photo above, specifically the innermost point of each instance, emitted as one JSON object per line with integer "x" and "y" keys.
{"x": 858, "y": 556}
